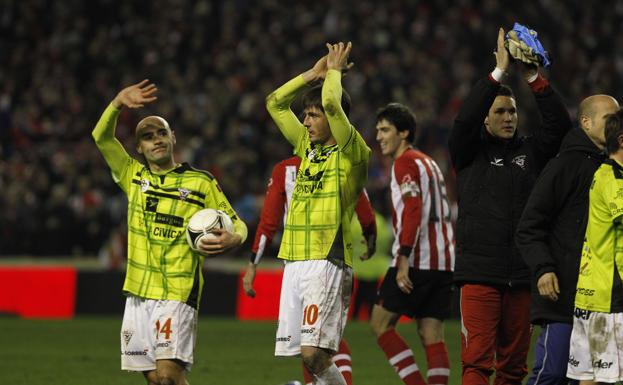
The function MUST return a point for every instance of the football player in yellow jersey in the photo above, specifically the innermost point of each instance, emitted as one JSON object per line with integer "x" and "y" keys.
{"x": 595, "y": 354}
{"x": 164, "y": 279}
{"x": 317, "y": 242}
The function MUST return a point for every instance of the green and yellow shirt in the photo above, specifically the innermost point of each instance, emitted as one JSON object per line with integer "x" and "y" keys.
{"x": 329, "y": 179}
{"x": 161, "y": 265}
{"x": 599, "y": 283}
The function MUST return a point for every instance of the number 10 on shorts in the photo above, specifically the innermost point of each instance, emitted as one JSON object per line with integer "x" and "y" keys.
{"x": 310, "y": 314}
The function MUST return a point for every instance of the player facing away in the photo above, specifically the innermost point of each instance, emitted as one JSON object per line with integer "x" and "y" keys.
{"x": 496, "y": 170}
{"x": 316, "y": 243}
{"x": 550, "y": 233}
{"x": 595, "y": 354}
{"x": 164, "y": 278}
{"x": 418, "y": 283}
{"x": 278, "y": 196}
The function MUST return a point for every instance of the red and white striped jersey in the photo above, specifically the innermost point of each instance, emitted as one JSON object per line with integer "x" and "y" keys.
{"x": 277, "y": 201}
{"x": 421, "y": 213}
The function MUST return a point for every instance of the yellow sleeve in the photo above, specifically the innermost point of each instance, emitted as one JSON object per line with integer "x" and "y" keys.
{"x": 217, "y": 200}
{"x": 115, "y": 155}
{"x": 332, "y": 104}
{"x": 278, "y": 106}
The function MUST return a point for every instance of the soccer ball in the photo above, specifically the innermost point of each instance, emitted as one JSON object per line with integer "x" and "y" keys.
{"x": 203, "y": 222}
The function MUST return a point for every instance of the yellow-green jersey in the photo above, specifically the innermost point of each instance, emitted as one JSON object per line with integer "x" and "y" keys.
{"x": 161, "y": 264}
{"x": 599, "y": 283}
{"x": 329, "y": 180}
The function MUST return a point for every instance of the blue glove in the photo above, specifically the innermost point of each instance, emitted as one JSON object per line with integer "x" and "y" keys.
{"x": 531, "y": 51}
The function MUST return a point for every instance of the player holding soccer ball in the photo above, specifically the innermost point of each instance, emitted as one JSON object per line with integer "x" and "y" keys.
{"x": 164, "y": 279}
{"x": 316, "y": 243}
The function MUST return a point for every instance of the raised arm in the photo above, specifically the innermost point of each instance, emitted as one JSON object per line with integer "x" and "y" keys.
{"x": 134, "y": 96}
{"x": 554, "y": 115}
{"x": 279, "y": 101}
{"x": 337, "y": 62}
{"x": 465, "y": 137}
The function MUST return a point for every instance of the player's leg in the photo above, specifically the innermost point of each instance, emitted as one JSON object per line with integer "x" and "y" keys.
{"x": 391, "y": 304}
{"x": 432, "y": 304}
{"x": 288, "y": 342}
{"x": 138, "y": 342}
{"x": 398, "y": 353}
{"x": 480, "y": 315}
{"x": 318, "y": 361}
{"x": 175, "y": 326}
{"x": 342, "y": 360}
{"x": 325, "y": 290}
{"x": 171, "y": 372}
{"x": 431, "y": 334}
{"x": 151, "y": 377}
{"x": 513, "y": 337}
{"x": 552, "y": 355}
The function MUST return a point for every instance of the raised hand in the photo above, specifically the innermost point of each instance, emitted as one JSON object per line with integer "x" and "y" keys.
{"x": 501, "y": 54}
{"x": 528, "y": 70}
{"x": 337, "y": 58}
{"x": 136, "y": 96}
{"x": 317, "y": 72}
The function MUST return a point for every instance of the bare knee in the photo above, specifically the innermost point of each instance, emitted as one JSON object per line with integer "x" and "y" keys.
{"x": 315, "y": 359}
{"x": 151, "y": 377}
{"x": 430, "y": 330}
{"x": 382, "y": 320}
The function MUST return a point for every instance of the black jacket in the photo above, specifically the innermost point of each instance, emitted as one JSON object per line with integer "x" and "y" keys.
{"x": 495, "y": 178}
{"x": 551, "y": 229}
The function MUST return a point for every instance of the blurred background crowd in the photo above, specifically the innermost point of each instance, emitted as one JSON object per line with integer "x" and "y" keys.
{"x": 214, "y": 62}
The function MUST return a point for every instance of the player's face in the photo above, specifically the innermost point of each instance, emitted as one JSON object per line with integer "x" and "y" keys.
{"x": 595, "y": 124}
{"x": 317, "y": 125}
{"x": 390, "y": 139}
{"x": 501, "y": 121}
{"x": 156, "y": 144}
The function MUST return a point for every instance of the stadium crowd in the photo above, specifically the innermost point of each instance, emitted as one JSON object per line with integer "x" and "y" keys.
{"x": 214, "y": 63}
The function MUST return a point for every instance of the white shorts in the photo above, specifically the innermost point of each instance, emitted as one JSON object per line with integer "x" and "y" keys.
{"x": 157, "y": 330}
{"x": 313, "y": 307}
{"x": 594, "y": 353}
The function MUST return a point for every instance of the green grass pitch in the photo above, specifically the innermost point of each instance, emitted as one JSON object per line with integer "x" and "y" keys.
{"x": 85, "y": 351}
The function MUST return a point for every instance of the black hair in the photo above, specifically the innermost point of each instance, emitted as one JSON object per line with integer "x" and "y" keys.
{"x": 313, "y": 98}
{"x": 400, "y": 116}
{"x": 613, "y": 131}
{"x": 505, "y": 90}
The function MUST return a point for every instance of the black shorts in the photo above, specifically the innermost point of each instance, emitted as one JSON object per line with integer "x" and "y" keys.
{"x": 430, "y": 297}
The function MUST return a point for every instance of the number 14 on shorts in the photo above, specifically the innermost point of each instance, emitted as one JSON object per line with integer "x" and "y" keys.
{"x": 165, "y": 329}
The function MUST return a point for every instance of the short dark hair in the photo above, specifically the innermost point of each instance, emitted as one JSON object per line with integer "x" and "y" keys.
{"x": 505, "y": 90}
{"x": 400, "y": 116}
{"x": 313, "y": 98}
{"x": 613, "y": 130}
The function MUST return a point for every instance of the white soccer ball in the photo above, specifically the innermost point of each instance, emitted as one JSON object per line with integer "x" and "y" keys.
{"x": 203, "y": 222}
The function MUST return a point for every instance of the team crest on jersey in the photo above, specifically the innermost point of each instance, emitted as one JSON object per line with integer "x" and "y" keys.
{"x": 312, "y": 154}
{"x": 127, "y": 336}
{"x": 408, "y": 187}
{"x": 183, "y": 193}
{"x": 144, "y": 185}
{"x": 520, "y": 161}
{"x": 270, "y": 182}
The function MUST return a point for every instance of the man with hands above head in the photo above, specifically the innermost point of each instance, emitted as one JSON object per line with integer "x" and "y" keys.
{"x": 316, "y": 243}
{"x": 496, "y": 170}
{"x": 164, "y": 278}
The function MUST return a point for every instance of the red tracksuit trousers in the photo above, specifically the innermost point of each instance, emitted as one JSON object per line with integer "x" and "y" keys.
{"x": 495, "y": 329}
